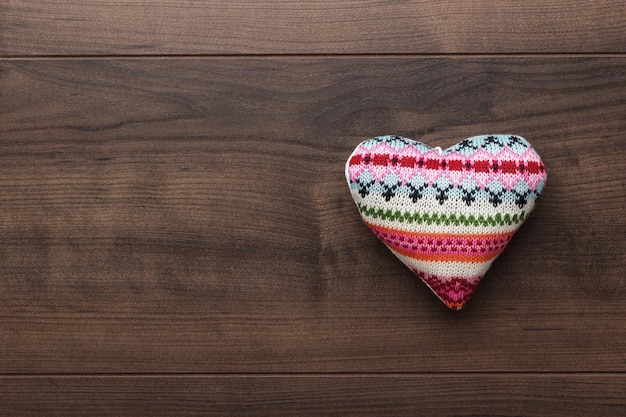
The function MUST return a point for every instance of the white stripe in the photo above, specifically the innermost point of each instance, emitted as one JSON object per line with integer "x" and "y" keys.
{"x": 442, "y": 228}
{"x": 430, "y": 204}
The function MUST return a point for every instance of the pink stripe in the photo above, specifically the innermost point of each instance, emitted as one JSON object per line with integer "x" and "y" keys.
{"x": 420, "y": 245}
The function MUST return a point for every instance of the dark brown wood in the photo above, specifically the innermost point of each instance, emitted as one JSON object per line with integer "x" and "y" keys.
{"x": 115, "y": 27}
{"x": 177, "y": 238}
{"x": 191, "y": 215}
{"x": 374, "y": 395}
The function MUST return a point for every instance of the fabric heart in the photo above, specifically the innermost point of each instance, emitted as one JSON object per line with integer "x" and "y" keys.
{"x": 447, "y": 214}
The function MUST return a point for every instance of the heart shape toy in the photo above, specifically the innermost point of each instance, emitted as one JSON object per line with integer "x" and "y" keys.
{"x": 446, "y": 214}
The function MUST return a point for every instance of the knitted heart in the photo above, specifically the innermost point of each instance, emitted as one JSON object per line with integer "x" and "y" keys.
{"x": 447, "y": 214}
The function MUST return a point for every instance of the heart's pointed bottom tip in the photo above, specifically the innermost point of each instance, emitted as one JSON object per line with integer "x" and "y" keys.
{"x": 454, "y": 292}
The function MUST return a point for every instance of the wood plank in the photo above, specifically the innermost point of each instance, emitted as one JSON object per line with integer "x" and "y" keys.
{"x": 328, "y": 395}
{"x": 60, "y": 27}
{"x": 191, "y": 215}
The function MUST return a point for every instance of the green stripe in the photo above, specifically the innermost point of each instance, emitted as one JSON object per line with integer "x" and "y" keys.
{"x": 439, "y": 219}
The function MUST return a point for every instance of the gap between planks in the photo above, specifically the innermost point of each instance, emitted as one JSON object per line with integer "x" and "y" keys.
{"x": 261, "y": 375}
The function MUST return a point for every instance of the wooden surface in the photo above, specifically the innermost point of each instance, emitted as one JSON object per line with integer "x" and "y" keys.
{"x": 337, "y": 395}
{"x": 177, "y": 238}
{"x": 33, "y": 27}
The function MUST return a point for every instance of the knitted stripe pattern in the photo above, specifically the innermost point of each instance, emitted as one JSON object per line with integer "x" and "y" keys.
{"x": 447, "y": 214}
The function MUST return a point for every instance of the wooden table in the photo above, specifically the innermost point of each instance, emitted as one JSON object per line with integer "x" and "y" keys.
{"x": 177, "y": 237}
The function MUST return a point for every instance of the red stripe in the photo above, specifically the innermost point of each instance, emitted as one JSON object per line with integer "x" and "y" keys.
{"x": 433, "y": 164}
{"x": 407, "y": 162}
{"x": 380, "y": 159}
{"x": 355, "y": 160}
{"x": 481, "y": 166}
{"x": 455, "y": 165}
{"x": 508, "y": 167}
{"x": 533, "y": 167}
{"x": 505, "y": 167}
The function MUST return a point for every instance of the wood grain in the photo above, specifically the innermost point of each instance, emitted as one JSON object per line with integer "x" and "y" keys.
{"x": 115, "y": 27}
{"x": 373, "y": 395}
{"x": 176, "y": 235}
{"x": 191, "y": 215}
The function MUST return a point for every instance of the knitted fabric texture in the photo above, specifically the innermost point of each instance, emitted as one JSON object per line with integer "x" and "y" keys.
{"x": 446, "y": 214}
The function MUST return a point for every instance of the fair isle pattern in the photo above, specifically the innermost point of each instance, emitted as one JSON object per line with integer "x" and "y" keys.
{"x": 446, "y": 214}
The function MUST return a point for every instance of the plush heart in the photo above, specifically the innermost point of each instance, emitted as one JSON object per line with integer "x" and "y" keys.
{"x": 447, "y": 214}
